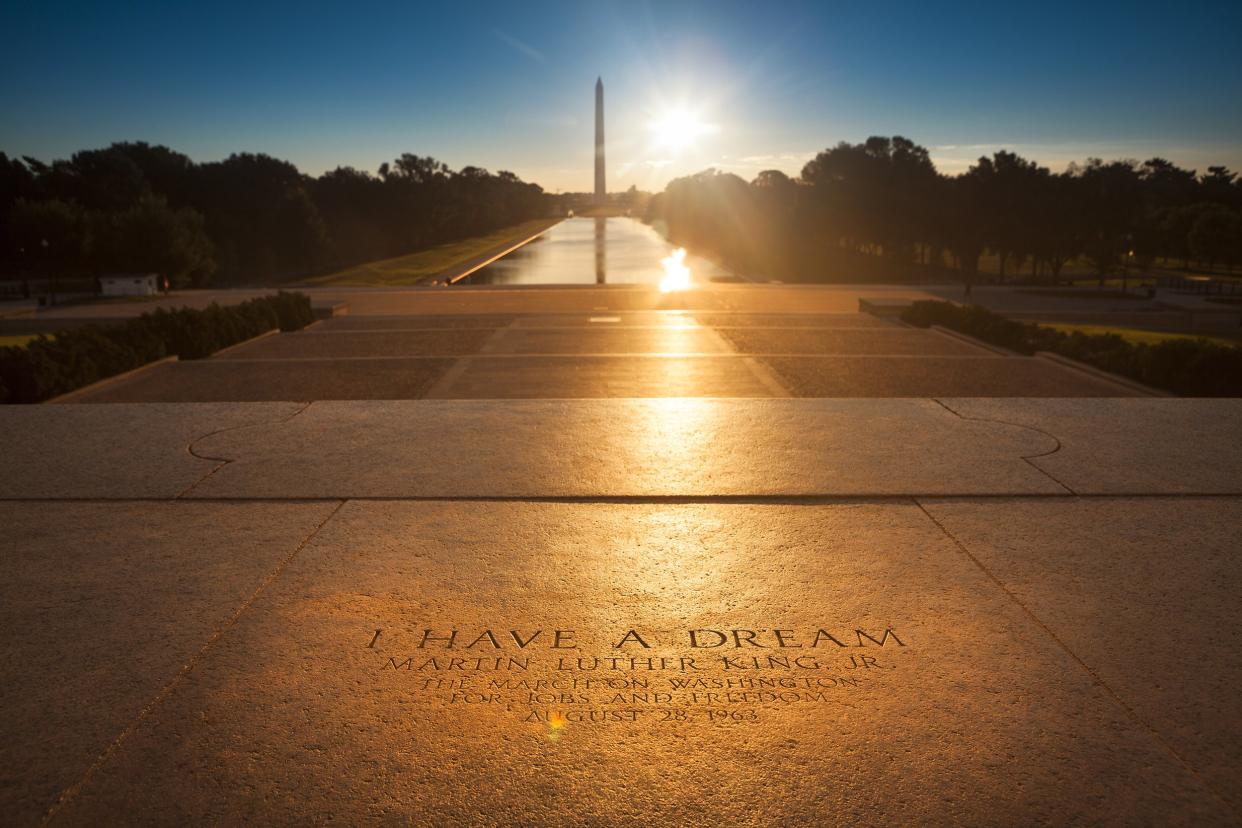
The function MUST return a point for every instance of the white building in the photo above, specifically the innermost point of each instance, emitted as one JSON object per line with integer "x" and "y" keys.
{"x": 129, "y": 284}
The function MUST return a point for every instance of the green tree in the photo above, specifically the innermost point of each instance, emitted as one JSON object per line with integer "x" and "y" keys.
{"x": 1010, "y": 186}
{"x": 50, "y": 236}
{"x": 1056, "y": 230}
{"x": 1216, "y": 237}
{"x": 151, "y": 237}
{"x": 875, "y": 196}
{"x": 1217, "y": 185}
{"x": 102, "y": 179}
{"x": 1112, "y": 207}
{"x": 964, "y": 203}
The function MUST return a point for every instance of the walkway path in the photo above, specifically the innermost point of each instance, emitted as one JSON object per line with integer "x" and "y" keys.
{"x": 530, "y": 352}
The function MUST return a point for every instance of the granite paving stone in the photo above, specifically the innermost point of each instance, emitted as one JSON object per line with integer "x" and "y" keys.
{"x": 382, "y": 678}
{"x": 238, "y": 380}
{"x": 116, "y": 451}
{"x": 312, "y": 344}
{"x": 401, "y": 323}
{"x": 591, "y": 377}
{"x": 849, "y": 341}
{"x": 931, "y": 376}
{"x": 102, "y": 606}
{"x": 685, "y": 339}
{"x": 613, "y": 448}
{"x": 603, "y": 318}
{"x": 853, "y": 320}
{"x": 620, "y": 447}
{"x": 1145, "y": 592}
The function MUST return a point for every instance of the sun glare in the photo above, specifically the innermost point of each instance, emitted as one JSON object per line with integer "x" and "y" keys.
{"x": 678, "y": 129}
{"x": 676, "y": 274}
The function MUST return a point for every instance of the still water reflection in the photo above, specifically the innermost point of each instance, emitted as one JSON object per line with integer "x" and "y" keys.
{"x": 591, "y": 250}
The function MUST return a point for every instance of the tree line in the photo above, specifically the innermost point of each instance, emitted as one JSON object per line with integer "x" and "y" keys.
{"x": 880, "y": 209}
{"x": 251, "y": 218}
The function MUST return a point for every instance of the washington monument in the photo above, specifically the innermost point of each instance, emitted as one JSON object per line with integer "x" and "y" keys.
{"x": 601, "y": 192}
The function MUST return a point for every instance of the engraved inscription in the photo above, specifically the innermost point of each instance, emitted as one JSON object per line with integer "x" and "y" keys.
{"x": 559, "y": 677}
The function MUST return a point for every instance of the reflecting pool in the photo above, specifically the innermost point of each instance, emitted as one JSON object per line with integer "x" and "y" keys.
{"x": 592, "y": 250}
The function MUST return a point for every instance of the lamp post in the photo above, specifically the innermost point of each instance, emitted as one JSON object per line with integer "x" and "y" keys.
{"x": 1127, "y": 258}
{"x": 24, "y": 269}
{"x": 52, "y": 280}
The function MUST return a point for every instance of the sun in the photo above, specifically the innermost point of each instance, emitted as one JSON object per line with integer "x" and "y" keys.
{"x": 678, "y": 129}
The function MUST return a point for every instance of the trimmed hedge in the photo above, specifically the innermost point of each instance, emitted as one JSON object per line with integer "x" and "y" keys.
{"x": 48, "y": 367}
{"x": 1188, "y": 367}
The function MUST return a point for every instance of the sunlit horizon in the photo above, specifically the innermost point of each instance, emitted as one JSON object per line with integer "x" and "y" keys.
{"x": 729, "y": 86}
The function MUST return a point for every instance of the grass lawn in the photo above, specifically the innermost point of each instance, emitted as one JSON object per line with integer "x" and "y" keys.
{"x": 1137, "y": 336}
{"x": 18, "y": 340}
{"x": 412, "y": 269}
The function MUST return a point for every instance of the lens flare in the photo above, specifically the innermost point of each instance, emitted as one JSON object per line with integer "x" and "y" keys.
{"x": 556, "y": 724}
{"x": 679, "y": 129}
{"x": 676, "y": 274}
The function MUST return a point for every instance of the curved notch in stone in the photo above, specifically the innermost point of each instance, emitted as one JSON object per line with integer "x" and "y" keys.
{"x": 1130, "y": 446}
{"x": 114, "y": 451}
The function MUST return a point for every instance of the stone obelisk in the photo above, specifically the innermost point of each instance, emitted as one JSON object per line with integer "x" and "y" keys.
{"x": 601, "y": 192}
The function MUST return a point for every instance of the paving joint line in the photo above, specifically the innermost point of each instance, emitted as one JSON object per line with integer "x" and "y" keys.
{"x": 763, "y": 374}
{"x": 617, "y": 326}
{"x": 440, "y": 387}
{"x": 488, "y": 345}
{"x": 1095, "y": 677}
{"x": 604, "y": 355}
{"x": 73, "y": 790}
{"x": 652, "y": 499}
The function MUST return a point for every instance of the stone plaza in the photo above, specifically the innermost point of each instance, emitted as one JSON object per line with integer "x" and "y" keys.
{"x": 605, "y": 555}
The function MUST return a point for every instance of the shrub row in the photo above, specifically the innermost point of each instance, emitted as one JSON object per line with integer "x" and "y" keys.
{"x": 1188, "y": 367}
{"x": 49, "y": 366}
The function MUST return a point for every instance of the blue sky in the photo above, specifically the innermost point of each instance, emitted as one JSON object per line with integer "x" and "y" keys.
{"x": 510, "y": 85}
